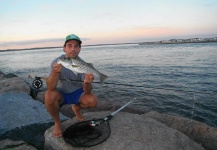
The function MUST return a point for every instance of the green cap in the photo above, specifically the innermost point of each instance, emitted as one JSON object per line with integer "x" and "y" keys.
{"x": 73, "y": 37}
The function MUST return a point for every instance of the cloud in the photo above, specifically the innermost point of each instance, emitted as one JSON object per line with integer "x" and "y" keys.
{"x": 54, "y": 42}
{"x": 30, "y": 42}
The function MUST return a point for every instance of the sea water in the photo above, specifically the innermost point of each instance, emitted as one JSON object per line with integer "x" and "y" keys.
{"x": 177, "y": 79}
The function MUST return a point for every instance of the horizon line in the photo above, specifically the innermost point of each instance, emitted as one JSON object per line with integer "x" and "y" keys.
{"x": 154, "y": 42}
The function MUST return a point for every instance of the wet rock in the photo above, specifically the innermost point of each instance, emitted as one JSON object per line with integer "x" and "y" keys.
{"x": 129, "y": 132}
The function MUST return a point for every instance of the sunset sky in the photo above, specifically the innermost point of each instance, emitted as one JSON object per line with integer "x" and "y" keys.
{"x": 42, "y": 23}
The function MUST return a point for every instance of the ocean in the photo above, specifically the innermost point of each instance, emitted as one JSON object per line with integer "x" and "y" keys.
{"x": 176, "y": 79}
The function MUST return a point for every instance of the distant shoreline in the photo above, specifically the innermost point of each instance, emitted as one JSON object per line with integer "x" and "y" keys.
{"x": 37, "y": 48}
{"x": 148, "y": 43}
{"x": 182, "y": 41}
{"x": 171, "y": 41}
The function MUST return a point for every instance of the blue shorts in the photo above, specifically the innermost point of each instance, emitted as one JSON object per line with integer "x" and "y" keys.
{"x": 71, "y": 98}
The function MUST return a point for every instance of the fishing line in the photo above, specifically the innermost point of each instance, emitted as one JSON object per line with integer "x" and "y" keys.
{"x": 206, "y": 113}
{"x": 193, "y": 107}
{"x": 37, "y": 83}
{"x": 119, "y": 84}
{"x": 38, "y": 78}
{"x": 139, "y": 86}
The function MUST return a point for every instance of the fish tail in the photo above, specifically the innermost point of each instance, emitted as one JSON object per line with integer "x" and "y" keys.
{"x": 103, "y": 77}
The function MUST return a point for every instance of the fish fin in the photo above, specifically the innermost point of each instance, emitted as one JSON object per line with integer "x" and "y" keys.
{"x": 103, "y": 77}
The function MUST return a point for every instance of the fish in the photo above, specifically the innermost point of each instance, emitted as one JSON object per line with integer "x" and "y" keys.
{"x": 80, "y": 66}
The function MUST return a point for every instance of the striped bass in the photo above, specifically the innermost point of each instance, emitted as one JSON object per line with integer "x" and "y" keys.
{"x": 79, "y": 66}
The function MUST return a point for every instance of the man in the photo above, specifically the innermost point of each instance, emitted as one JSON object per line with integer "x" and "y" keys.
{"x": 66, "y": 92}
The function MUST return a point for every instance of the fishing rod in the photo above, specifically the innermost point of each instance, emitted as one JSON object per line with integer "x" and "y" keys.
{"x": 37, "y": 82}
{"x": 90, "y": 132}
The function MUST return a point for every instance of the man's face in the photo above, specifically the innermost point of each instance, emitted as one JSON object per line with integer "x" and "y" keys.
{"x": 72, "y": 49}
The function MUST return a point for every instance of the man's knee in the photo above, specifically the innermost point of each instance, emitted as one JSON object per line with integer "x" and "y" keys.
{"x": 93, "y": 102}
{"x": 88, "y": 100}
{"x": 52, "y": 97}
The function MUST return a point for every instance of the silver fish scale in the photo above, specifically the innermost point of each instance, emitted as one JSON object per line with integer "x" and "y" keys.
{"x": 85, "y": 67}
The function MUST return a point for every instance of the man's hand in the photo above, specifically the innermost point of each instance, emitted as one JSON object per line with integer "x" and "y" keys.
{"x": 87, "y": 83}
{"x": 57, "y": 68}
{"x": 52, "y": 80}
{"x": 89, "y": 77}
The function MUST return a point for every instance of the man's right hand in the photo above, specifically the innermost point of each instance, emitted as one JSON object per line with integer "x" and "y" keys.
{"x": 57, "y": 68}
{"x": 52, "y": 80}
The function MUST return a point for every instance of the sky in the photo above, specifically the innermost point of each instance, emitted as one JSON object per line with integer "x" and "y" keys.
{"x": 46, "y": 23}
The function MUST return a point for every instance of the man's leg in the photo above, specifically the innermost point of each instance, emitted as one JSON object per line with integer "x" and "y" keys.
{"x": 85, "y": 101}
{"x": 52, "y": 103}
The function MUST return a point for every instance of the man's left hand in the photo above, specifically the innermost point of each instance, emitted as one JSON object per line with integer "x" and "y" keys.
{"x": 89, "y": 77}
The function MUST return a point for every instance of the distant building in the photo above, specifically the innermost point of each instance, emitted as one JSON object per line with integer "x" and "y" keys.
{"x": 195, "y": 40}
{"x": 179, "y": 40}
{"x": 209, "y": 39}
{"x": 174, "y": 41}
{"x": 165, "y": 41}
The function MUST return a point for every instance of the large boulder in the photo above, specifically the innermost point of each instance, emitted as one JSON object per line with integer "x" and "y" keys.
{"x": 19, "y": 109}
{"x": 15, "y": 145}
{"x": 199, "y": 132}
{"x": 129, "y": 132}
{"x": 15, "y": 84}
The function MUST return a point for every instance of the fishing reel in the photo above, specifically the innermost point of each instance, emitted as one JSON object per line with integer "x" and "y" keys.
{"x": 37, "y": 83}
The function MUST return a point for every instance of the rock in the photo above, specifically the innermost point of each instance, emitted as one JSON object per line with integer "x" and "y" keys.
{"x": 10, "y": 75}
{"x": 2, "y": 73}
{"x": 19, "y": 109}
{"x": 129, "y": 132}
{"x": 197, "y": 131}
{"x": 32, "y": 134}
{"x": 40, "y": 96}
{"x": 15, "y": 84}
{"x": 1, "y": 76}
{"x": 15, "y": 145}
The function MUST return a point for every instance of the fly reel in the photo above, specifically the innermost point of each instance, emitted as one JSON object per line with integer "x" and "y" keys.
{"x": 37, "y": 83}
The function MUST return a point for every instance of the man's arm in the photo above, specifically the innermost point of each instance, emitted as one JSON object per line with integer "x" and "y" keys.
{"x": 87, "y": 86}
{"x": 52, "y": 80}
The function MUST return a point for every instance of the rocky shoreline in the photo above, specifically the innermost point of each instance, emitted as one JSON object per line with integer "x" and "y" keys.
{"x": 151, "y": 130}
